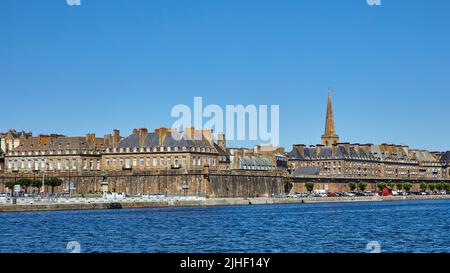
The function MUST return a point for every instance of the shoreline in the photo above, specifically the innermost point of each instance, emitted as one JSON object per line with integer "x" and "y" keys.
{"x": 180, "y": 202}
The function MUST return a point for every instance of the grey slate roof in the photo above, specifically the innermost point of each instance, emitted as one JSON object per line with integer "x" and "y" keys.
{"x": 337, "y": 152}
{"x": 307, "y": 171}
{"x": 152, "y": 140}
{"x": 58, "y": 143}
{"x": 261, "y": 161}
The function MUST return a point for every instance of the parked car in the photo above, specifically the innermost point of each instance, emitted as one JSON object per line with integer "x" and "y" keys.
{"x": 332, "y": 195}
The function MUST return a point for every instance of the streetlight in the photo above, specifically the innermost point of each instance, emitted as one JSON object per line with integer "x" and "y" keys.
{"x": 15, "y": 171}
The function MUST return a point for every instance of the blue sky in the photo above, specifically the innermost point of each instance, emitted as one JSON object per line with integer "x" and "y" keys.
{"x": 125, "y": 64}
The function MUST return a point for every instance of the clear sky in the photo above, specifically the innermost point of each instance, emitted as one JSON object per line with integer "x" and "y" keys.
{"x": 125, "y": 64}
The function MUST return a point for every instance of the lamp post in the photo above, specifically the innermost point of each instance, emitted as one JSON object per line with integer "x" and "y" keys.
{"x": 35, "y": 172}
{"x": 15, "y": 171}
{"x": 70, "y": 186}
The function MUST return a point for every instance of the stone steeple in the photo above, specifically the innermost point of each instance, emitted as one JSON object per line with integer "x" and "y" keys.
{"x": 330, "y": 137}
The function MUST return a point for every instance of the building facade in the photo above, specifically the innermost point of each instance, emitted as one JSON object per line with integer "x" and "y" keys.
{"x": 56, "y": 154}
{"x": 166, "y": 149}
{"x": 335, "y": 159}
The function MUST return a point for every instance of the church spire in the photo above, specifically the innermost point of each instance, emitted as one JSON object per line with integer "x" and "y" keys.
{"x": 330, "y": 137}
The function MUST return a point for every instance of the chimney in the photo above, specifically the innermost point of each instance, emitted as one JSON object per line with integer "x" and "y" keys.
{"x": 116, "y": 138}
{"x": 300, "y": 148}
{"x": 257, "y": 149}
{"x": 318, "y": 148}
{"x": 208, "y": 135}
{"x": 143, "y": 132}
{"x": 190, "y": 132}
{"x": 90, "y": 138}
{"x": 221, "y": 141}
{"x": 107, "y": 140}
{"x": 162, "y": 133}
{"x": 346, "y": 146}
{"x": 135, "y": 131}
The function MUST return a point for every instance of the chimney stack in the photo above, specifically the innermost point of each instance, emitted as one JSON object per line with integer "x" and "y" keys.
{"x": 300, "y": 148}
{"x": 162, "y": 133}
{"x": 116, "y": 138}
{"x": 143, "y": 132}
{"x": 190, "y": 132}
{"x": 208, "y": 135}
{"x": 221, "y": 141}
{"x": 90, "y": 138}
{"x": 107, "y": 140}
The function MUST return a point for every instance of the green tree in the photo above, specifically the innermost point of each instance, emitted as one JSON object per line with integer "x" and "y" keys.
{"x": 423, "y": 186}
{"x": 381, "y": 185}
{"x": 432, "y": 186}
{"x": 439, "y": 186}
{"x": 446, "y": 186}
{"x": 24, "y": 182}
{"x": 399, "y": 186}
{"x": 309, "y": 186}
{"x": 352, "y": 186}
{"x": 391, "y": 184}
{"x": 37, "y": 184}
{"x": 407, "y": 186}
{"x": 10, "y": 185}
{"x": 53, "y": 182}
{"x": 362, "y": 186}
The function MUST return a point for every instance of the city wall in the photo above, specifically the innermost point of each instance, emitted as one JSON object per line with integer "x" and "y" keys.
{"x": 209, "y": 184}
{"x": 202, "y": 183}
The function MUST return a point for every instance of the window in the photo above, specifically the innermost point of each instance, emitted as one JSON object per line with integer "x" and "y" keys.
{"x": 127, "y": 163}
{"x": 114, "y": 162}
{"x": 50, "y": 165}
{"x": 141, "y": 162}
{"x": 121, "y": 163}
{"x": 74, "y": 164}
{"x": 168, "y": 161}
{"x": 148, "y": 162}
{"x": 183, "y": 161}
{"x": 134, "y": 162}
{"x": 59, "y": 165}
{"x": 155, "y": 162}
{"x": 107, "y": 162}
{"x": 91, "y": 165}
{"x": 67, "y": 165}
{"x": 176, "y": 161}
{"x": 98, "y": 164}
{"x": 161, "y": 161}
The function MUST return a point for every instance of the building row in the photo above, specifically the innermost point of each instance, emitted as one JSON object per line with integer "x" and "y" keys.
{"x": 335, "y": 159}
{"x": 161, "y": 150}
{"x": 192, "y": 150}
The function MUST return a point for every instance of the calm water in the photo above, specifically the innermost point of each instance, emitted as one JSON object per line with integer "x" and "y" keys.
{"x": 416, "y": 226}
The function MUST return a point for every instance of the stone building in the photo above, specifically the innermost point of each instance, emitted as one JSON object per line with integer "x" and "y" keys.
{"x": 166, "y": 149}
{"x": 260, "y": 158}
{"x": 9, "y": 141}
{"x": 335, "y": 159}
{"x": 56, "y": 154}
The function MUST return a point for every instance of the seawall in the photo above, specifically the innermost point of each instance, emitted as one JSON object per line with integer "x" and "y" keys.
{"x": 208, "y": 202}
